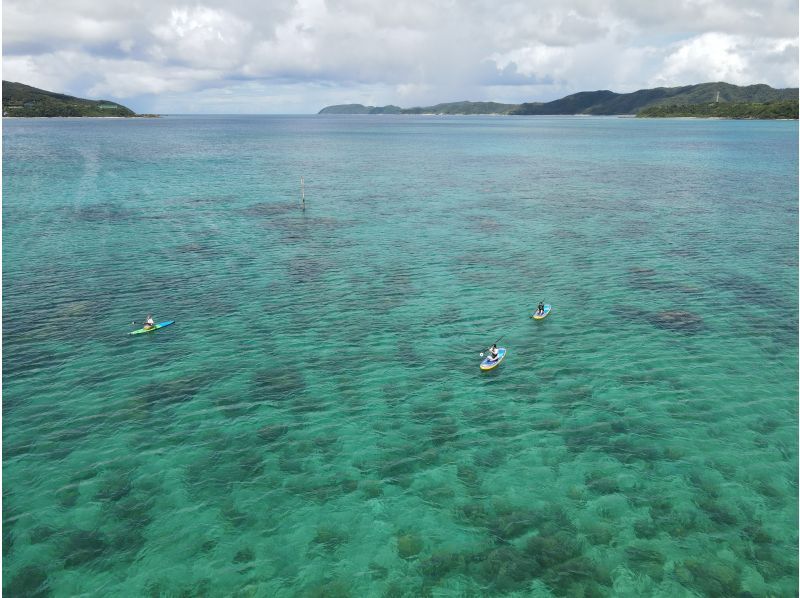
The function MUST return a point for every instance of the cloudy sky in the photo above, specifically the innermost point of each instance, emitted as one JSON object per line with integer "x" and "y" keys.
{"x": 297, "y": 56}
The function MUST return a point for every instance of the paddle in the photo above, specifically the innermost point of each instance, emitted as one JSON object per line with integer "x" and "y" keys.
{"x": 494, "y": 343}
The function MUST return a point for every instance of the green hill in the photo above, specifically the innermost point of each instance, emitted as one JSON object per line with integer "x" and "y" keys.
{"x": 347, "y": 109}
{"x": 787, "y": 109}
{"x": 360, "y": 109}
{"x": 603, "y": 102}
{"x": 447, "y": 108}
{"x": 463, "y": 108}
{"x": 577, "y": 103}
{"x": 608, "y": 102}
{"x": 24, "y": 100}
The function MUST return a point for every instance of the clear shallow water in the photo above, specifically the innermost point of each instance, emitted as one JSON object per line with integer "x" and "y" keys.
{"x": 315, "y": 423}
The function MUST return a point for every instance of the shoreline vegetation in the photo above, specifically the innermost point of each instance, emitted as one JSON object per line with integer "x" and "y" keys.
{"x": 24, "y": 101}
{"x": 783, "y": 109}
{"x": 705, "y": 100}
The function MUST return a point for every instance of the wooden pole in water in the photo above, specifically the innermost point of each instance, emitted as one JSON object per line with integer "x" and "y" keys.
{"x": 302, "y": 194}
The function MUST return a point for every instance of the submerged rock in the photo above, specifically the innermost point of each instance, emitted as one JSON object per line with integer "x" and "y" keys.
{"x": 490, "y": 459}
{"x": 600, "y": 484}
{"x": 272, "y": 432}
{"x": 711, "y": 577}
{"x": 128, "y": 540}
{"x": 440, "y": 564}
{"x": 233, "y": 515}
{"x": 468, "y": 475}
{"x": 645, "y": 528}
{"x": 372, "y": 488}
{"x": 377, "y": 571}
{"x": 774, "y": 564}
{"x": 646, "y": 560}
{"x": 39, "y": 534}
{"x": 409, "y": 546}
{"x": 506, "y": 568}
{"x": 330, "y": 589}
{"x": 577, "y": 493}
{"x": 599, "y": 533}
{"x": 513, "y": 523}
{"x": 757, "y": 534}
{"x": 551, "y": 550}
{"x": 678, "y": 321}
{"x": 578, "y": 577}
{"x": 83, "y": 547}
{"x": 406, "y": 587}
{"x": 716, "y": 511}
{"x": 245, "y": 555}
{"x": 329, "y": 538}
{"x": 444, "y": 432}
{"x": 348, "y": 485}
{"x": 177, "y": 390}
{"x": 438, "y": 495}
{"x": 30, "y": 581}
{"x": 547, "y": 424}
{"x": 474, "y": 514}
{"x": 114, "y": 489}
{"x": 278, "y": 385}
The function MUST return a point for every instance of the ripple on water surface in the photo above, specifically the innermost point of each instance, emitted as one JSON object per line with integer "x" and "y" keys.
{"x": 315, "y": 422}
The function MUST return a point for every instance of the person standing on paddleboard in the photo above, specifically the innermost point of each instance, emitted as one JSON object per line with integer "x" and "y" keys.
{"x": 149, "y": 322}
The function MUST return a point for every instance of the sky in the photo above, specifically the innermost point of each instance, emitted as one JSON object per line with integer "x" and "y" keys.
{"x": 298, "y": 56}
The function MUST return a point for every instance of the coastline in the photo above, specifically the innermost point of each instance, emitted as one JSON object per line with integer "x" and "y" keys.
{"x": 92, "y": 117}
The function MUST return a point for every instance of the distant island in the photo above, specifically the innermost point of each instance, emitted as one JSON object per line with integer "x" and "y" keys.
{"x": 449, "y": 108}
{"x": 26, "y": 101}
{"x": 731, "y": 101}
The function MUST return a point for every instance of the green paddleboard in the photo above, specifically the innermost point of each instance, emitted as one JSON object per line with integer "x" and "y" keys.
{"x": 156, "y": 327}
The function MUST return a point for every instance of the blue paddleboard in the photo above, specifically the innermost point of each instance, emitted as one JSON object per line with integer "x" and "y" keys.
{"x": 489, "y": 363}
{"x": 542, "y": 316}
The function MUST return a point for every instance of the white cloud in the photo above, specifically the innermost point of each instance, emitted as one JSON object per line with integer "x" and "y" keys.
{"x": 730, "y": 58}
{"x": 56, "y": 25}
{"x": 117, "y": 79}
{"x": 315, "y": 51}
{"x": 202, "y": 37}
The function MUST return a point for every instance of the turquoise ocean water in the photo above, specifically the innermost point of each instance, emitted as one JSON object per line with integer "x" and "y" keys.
{"x": 315, "y": 422}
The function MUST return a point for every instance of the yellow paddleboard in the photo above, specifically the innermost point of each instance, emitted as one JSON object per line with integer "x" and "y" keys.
{"x": 542, "y": 316}
{"x": 489, "y": 363}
